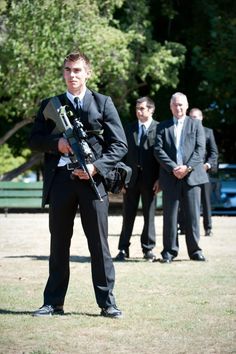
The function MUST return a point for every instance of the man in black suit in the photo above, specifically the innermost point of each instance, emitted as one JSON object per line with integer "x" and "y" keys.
{"x": 64, "y": 194}
{"x": 144, "y": 180}
{"x": 210, "y": 165}
{"x": 180, "y": 149}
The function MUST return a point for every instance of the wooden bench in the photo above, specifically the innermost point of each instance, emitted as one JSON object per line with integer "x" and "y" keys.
{"x": 25, "y": 196}
{"x": 20, "y": 195}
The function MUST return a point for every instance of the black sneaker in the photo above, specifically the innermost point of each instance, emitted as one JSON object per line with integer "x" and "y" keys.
{"x": 48, "y": 310}
{"x": 149, "y": 256}
{"x": 111, "y": 312}
{"x": 122, "y": 256}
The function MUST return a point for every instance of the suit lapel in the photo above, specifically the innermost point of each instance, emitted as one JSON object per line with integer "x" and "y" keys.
{"x": 186, "y": 136}
{"x": 171, "y": 131}
{"x": 152, "y": 126}
{"x": 186, "y": 129}
{"x": 135, "y": 133}
{"x": 87, "y": 100}
{"x": 149, "y": 134}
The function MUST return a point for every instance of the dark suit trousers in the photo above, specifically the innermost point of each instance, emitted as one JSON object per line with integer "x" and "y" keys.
{"x": 65, "y": 196}
{"x": 206, "y": 205}
{"x": 206, "y": 209}
{"x": 190, "y": 201}
{"x": 130, "y": 207}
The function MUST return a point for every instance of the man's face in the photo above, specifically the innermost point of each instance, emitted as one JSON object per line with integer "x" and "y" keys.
{"x": 76, "y": 74}
{"x": 143, "y": 113}
{"x": 195, "y": 114}
{"x": 179, "y": 107}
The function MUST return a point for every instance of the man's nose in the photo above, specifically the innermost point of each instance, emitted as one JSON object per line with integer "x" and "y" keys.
{"x": 72, "y": 73}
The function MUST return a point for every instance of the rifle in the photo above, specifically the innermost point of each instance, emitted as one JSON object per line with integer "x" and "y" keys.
{"x": 76, "y": 136}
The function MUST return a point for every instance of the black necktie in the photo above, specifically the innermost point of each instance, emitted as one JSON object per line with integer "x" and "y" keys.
{"x": 142, "y": 136}
{"x": 140, "y": 149}
{"x": 77, "y": 107}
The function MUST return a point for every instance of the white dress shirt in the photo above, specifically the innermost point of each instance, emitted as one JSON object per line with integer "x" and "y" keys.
{"x": 179, "y": 124}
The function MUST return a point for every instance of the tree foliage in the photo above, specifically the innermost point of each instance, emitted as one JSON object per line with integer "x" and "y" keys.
{"x": 37, "y": 35}
{"x": 7, "y": 159}
{"x": 207, "y": 28}
{"x": 214, "y": 60}
{"x": 143, "y": 47}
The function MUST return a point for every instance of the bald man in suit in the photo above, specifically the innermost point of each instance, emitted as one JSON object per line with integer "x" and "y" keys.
{"x": 210, "y": 164}
{"x": 180, "y": 149}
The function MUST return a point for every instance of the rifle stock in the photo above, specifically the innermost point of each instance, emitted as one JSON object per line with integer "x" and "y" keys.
{"x": 56, "y": 112}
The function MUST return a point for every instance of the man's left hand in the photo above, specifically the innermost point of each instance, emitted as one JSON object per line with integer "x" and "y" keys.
{"x": 78, "y": 172}
{"x": 156, "y": 188}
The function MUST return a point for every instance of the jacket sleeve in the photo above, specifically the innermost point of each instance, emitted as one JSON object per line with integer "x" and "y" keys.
{"x": 115, "y": 143}
{"x": 42, "y": 138}
{"x": 211, "y": 151}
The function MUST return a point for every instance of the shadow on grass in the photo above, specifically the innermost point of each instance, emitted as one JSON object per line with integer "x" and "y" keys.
{"x": 85, "y": 259}
{"x": 15, "y": 312}
{"x": 80, "y": 259}
{"x": 142, "y": 260}
{"x": 118, "y": 235}
{"x": 132, "y": 260}
{"x": 11, "y": 312}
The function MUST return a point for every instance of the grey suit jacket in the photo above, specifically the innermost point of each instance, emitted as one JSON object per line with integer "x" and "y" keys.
{"x": 99, "y": 113}
{"x": 193, "y": 148}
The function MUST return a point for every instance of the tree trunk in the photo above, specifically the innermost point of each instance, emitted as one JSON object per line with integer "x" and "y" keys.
{"x": 13, "y": 130}
{"x": 8, "y": 176}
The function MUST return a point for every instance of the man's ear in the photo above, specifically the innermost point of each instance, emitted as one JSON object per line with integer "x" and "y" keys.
{"x": 152, "y": 110}
{"x": 89, "y": 73}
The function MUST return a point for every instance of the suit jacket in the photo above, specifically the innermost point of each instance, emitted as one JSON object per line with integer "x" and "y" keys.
{"x": 99, "y": 113}
{"x": 150, "y": 166}
{"x": 193, "y": 149}
{"x": 211, "y": 155}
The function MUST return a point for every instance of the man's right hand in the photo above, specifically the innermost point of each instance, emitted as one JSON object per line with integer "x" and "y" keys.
{"x": 64, "y": 146}
{"x": 180, "y": 171}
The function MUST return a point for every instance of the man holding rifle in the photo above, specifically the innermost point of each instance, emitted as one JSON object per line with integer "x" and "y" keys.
{"x": 64, "y": 194}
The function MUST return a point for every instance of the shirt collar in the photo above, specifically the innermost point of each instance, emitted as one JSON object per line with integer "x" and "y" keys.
{"x": 147, "y": 123}
{"x": 180, "y": 120}
{"x": 72, "y": 97}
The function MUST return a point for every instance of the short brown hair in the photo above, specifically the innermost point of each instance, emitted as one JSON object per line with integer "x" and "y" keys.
{"x": 74, "y": 56}
{"x": 148, "y": 100}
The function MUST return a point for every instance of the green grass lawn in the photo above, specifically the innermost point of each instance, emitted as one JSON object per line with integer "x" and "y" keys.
{"x": 183, "y": 307}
